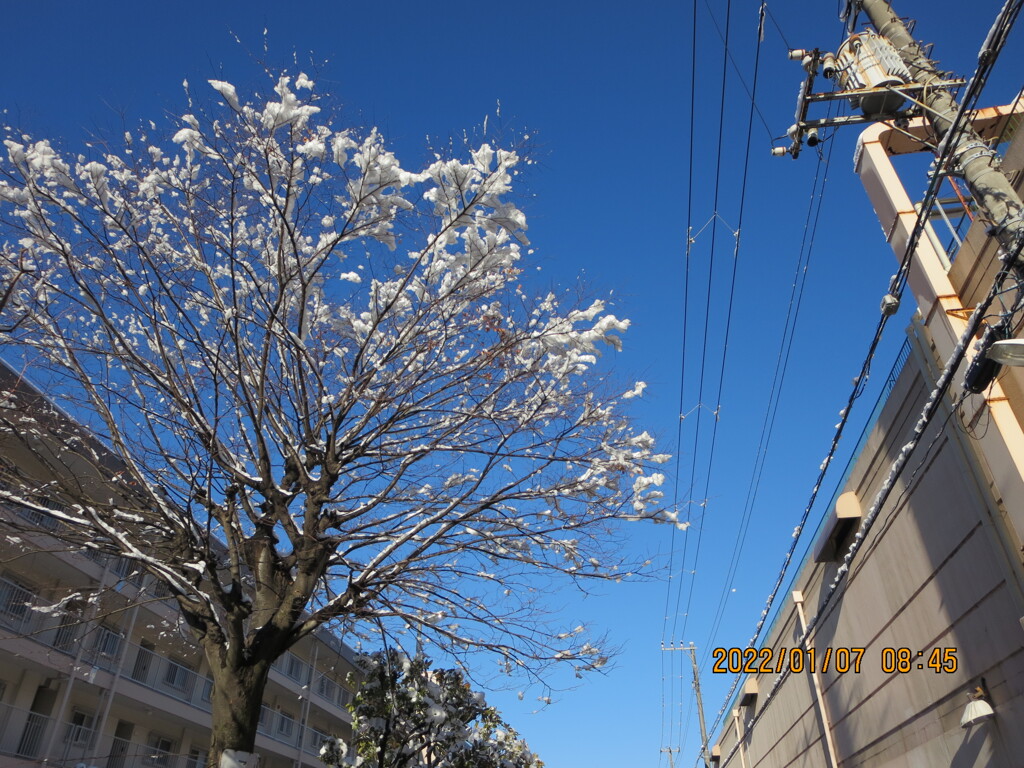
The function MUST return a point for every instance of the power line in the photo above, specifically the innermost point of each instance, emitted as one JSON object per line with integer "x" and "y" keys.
{"x": 682, "y": 379}
{"x": 775, "y": 393}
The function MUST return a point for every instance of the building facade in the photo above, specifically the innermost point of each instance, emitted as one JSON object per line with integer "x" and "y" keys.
{"x": 119, "y": 684}
{"x": 97, "y": 669}
{"x": 916, "y": 652}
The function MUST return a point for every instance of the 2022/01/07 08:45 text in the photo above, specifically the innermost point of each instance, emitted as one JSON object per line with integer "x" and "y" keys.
{"x": 840, "y": 660}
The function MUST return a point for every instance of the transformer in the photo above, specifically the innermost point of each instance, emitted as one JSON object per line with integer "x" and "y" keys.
{"x": 867, "y": 60}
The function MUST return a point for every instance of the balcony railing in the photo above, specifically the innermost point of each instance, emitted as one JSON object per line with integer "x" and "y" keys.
{"x": 22, "y": 612}
{"x": 130, "y": 754}
{"x": 34, "y": 737}
{"x": 169, "y": 677}
{"x": 29, "y": 735}
{"x": 324, "y": 685}
{"x": 285, "y": 729}
{"x": 102, "y": 648}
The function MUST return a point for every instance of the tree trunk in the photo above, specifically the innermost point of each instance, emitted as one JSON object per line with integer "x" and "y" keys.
{"x": 236, "y": 701}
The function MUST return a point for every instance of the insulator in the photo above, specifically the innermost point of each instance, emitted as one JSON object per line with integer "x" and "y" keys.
{"x": 828, "y": 65}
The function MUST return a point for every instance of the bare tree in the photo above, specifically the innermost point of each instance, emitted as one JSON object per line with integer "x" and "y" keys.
{"x": 310, "y": 386}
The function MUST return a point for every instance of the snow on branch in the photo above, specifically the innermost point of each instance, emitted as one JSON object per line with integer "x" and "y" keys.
{"x": 303, "y": 383}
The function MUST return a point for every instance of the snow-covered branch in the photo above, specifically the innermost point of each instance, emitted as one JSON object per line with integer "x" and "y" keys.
{"x": 302, "y": 383}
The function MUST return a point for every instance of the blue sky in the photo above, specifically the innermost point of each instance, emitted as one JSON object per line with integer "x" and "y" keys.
{"x": 606, "y": 94}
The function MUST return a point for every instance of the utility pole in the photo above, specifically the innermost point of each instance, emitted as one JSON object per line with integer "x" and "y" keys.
{"x": 700, "y": 706}
{"x": 878, "y": 73}
{"x": 700, "y": 702}
{"x": 970, "y": 156}
{"x": 872, "y": 83}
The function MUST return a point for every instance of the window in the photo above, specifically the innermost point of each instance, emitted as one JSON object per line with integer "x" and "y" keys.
{"x": 326, "y": 688}
{"x": 80, "y": 728}
{"x": 143, "y": 661}
{"x": 197, "y": 758}
{"x": 128, "y": 570}
{"x": 317, "y": 737}
{"x": 295, "y": 668}
{"x": 178, "y": 675}
{"x": 160, "y": 590}
{"x": 67, "y": 631}
{"x": 108, "y": 641}
{"x": 159, "y": 750}
{"x": 15, "y": 602}
{"x": 285, "y": 724}
{"x": 122, "y": 567}
{"x": 207, "y": 693}
{"x": 67, "y": 628}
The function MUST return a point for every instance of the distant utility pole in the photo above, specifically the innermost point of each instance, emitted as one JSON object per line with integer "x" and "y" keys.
{"x": 971, "y": 157}
{"x": 700, "y": 702}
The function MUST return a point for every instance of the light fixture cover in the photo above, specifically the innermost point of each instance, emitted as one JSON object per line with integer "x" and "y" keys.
{"x": 977, "y": 710}
{"x": 1007, "y": 352}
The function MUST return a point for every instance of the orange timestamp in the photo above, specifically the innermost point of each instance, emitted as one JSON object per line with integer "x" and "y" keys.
{"x": 903, "y": 660}
{"x": 823, "y": 660}
{"x": 777, "y": 660}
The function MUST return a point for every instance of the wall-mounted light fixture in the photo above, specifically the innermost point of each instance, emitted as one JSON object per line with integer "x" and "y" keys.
{"x": 1007, "y": 352}
{"x": 986, "y": 366}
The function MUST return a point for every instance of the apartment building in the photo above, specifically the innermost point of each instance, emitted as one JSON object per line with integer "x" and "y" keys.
{"x": 119, "y": 684}
{"x": 916, "y": 656}
{"x": 116, "y": 682}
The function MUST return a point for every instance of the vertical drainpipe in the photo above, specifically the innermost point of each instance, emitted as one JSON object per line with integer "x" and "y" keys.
{"x": 58, "y": 718}
{"x": 826, "y": 723}
{"x": 739, "y": 738}
{"x": 304, "y": 718}
{"x": 102, "y": 723}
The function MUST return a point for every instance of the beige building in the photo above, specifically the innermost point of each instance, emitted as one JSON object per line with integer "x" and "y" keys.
{"x": 121, "y": 685}
{"x": 118, "y": 683}
{"x": 933, "y": 605}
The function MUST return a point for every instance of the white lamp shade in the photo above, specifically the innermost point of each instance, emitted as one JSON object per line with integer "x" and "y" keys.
{"x": 978, "y": 710}
{"x": 1007, "y": 352}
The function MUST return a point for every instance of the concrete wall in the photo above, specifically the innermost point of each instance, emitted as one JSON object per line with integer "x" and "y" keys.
{"x": 935, "y": 571}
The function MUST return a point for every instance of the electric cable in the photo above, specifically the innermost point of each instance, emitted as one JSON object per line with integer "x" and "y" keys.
{"x": 707, "y": 317}
{"x": 729, "y": 315}
{"x": 728, "y": 323}
{"x": 727, "y": 57}
{"x": 775, "y": 393}
{"x": 736, "y": 68}
{"x": 682, "y": 391}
